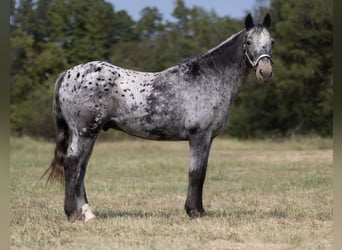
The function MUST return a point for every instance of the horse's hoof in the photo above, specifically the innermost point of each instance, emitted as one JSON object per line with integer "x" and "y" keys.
{"x": 75, "y": 216}
{"x": 195, "y": 213}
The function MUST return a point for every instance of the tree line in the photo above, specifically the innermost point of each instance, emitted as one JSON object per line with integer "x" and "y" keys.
{"x": 49, "y": 36}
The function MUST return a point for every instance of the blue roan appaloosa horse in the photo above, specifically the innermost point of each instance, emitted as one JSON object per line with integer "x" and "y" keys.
{"x": 189, "y": 101}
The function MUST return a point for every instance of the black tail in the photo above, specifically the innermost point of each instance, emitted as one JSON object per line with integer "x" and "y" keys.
{"x": 56, "y": 169}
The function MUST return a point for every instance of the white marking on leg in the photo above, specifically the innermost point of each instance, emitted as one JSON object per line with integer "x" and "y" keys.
{"x": 87, "y": 213}
{"x": 80, "y": 202}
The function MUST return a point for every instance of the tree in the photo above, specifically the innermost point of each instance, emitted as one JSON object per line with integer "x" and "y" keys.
{"x": 24, "y": 17}
{"x": 85, "y": 29}
{"x": 41, "y": 21}
{"x": 150, "y": 24}
{"x": 124, "y": 27}
{"x": 304, "y": 78}
{"x": 182, "y": 14}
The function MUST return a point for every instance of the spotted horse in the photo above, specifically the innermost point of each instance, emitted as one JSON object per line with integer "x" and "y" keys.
{"x": 189, "y": 101}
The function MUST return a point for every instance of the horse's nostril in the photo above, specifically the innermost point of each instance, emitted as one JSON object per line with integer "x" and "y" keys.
{"x": 265, "y": 73}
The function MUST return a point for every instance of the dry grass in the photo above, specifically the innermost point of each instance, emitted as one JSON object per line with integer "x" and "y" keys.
{"x": 258, "y": 195}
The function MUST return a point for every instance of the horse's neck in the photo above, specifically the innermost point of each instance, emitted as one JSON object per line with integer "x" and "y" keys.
{"x": 228, "y": 61}
{"x": 229, "y": 54}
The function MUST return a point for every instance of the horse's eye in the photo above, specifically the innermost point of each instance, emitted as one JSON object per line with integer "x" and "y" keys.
{"x": 248, "y": 43}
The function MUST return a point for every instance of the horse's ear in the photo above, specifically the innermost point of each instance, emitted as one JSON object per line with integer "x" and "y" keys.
{"x": 249, "y": 23}
{"x": 267, "y": 21}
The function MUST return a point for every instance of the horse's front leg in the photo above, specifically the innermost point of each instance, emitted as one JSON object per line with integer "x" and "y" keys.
{"x": 199, "y": 153}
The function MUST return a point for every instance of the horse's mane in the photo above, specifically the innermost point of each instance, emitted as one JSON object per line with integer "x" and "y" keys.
{"x": 201, "y": 59}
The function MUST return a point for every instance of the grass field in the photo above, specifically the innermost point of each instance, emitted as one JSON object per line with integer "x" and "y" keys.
{"x": 258, "y": 195}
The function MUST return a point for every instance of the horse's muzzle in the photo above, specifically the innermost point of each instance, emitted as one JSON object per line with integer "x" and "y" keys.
{"x": 264, "y": 70}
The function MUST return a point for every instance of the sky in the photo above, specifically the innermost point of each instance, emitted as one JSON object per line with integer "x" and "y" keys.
{"x": 232, "y": 8}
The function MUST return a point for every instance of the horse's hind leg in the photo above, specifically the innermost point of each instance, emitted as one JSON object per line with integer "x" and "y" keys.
{"x": 75, "y": 202}
{"x": 199, "y": 153}
{"x": 82, "y": 201}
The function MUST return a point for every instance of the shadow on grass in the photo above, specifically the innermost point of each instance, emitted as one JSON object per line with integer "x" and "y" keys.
{"x": 135, "y": 214}
{"x": 255, "y": 213}
{"x": 237, "y": 214}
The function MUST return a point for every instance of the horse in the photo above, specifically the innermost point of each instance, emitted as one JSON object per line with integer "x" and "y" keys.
{"x": 189, "y": 101}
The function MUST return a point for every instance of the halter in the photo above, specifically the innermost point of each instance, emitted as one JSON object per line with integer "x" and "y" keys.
{"x": 255, "y": 63}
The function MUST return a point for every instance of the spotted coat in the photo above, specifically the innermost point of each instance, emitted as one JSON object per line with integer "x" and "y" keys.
{"x": 189, "y": 101}
{"x": 190, "y": 97}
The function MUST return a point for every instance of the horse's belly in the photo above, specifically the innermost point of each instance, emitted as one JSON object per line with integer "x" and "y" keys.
{"x": 150, "y": 126}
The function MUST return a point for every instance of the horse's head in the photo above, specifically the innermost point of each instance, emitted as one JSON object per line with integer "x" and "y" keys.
{"x": 257, "y": 47}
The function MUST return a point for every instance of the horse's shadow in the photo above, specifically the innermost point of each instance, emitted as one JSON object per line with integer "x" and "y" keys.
{"x": 169, "y": 214}
{"x": 133, "y": 214}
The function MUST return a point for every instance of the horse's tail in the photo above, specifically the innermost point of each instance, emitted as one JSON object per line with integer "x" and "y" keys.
{"x": 56, "y": 169}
